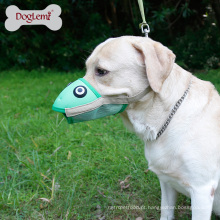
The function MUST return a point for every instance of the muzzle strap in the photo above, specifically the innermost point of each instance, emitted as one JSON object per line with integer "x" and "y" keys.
{"x": 126, "y": 99}
{"x": 70, "y": 112}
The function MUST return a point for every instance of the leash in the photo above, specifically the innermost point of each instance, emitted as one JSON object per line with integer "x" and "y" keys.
{"x": 145, "y": 29}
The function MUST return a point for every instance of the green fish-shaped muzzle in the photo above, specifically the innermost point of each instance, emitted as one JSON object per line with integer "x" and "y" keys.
{"x": 79, "y": 102}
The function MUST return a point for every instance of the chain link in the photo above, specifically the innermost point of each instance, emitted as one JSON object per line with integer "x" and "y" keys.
{"x": 173, "y": 111}
{"x": 145, "y": 29}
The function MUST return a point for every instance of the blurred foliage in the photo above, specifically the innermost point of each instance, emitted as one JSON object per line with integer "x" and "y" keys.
{"x": 200, "y": 49}
{"x": 187, "y": 26}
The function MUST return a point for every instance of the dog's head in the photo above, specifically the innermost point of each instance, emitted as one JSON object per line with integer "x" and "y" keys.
{"x": 127, "y": 65}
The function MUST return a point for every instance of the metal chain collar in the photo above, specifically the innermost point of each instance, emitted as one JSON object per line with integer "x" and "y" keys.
{"x": 173, "y": 111}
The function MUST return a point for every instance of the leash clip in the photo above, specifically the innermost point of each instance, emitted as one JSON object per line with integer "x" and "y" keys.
{"x": 145, "y": 29}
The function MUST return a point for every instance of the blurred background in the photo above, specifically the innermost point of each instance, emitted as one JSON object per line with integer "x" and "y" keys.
{"x": 189, "y": 27}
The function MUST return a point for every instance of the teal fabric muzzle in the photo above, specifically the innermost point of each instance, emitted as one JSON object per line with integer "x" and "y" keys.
{"x": 79, "y": 102}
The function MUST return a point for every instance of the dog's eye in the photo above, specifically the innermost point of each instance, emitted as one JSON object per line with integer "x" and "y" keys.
{"x": 101, "y": 72}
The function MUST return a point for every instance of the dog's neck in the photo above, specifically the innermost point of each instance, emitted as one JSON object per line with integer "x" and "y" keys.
{"x": 147, "y": 116}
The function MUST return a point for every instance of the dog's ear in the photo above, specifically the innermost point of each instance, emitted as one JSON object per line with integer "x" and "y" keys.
{"x": 158, "y": 61}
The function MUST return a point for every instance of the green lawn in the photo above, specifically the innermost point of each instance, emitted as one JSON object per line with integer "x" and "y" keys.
{"x": 52, "y": 170}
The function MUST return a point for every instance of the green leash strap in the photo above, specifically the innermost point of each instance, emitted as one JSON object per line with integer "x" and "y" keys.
{"x": 145, "y": 29}
{"x": 141, "y": 6}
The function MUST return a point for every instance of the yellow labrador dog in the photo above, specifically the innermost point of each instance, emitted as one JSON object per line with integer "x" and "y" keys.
{"x": 179, "y": 119}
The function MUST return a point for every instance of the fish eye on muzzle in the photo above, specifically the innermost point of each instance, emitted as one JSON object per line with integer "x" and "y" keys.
{"x": 79, "y": 102}
{"x": 80, "y": 91}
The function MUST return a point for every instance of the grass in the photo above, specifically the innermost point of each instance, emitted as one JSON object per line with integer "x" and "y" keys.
{"x": 52, "y": 170}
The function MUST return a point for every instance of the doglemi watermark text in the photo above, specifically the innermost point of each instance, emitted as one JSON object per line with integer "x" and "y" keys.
{"x": 49, "y": 17}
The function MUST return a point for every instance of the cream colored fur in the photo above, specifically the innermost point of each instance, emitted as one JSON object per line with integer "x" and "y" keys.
{"x": 186, "y": 157}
